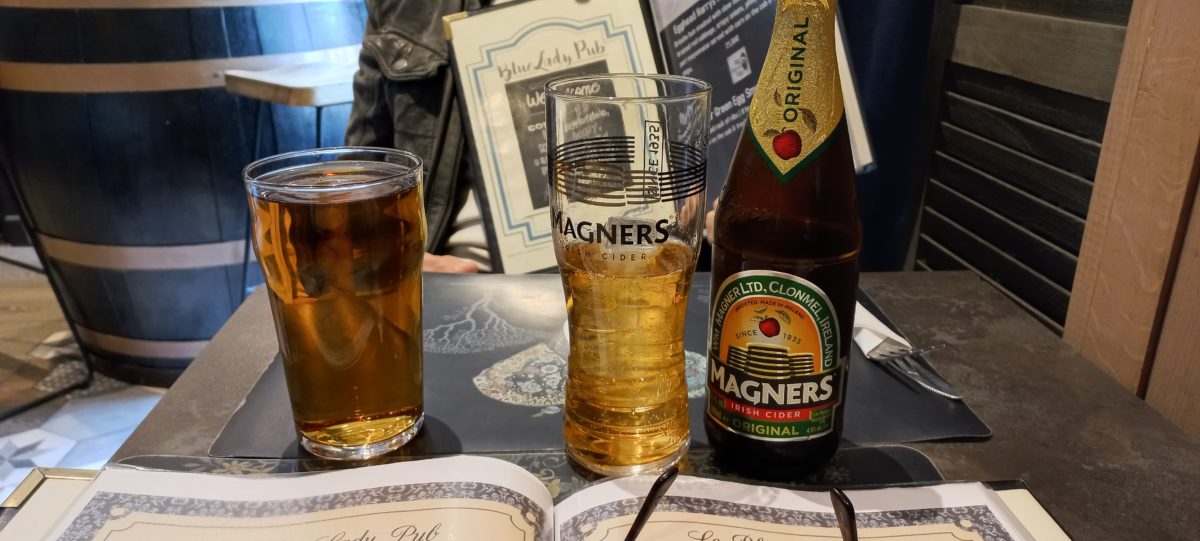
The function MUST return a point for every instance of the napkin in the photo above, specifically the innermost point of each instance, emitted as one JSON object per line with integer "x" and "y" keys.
{"x": 871, "y": 334}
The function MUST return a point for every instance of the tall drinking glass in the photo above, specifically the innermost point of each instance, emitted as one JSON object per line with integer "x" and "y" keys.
{"x": 628, "y": 163}
{"x": 340, "y": 234}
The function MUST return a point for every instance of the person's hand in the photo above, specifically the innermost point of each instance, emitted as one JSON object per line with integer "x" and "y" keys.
{"x": 709, "y": 219}
{"x": 448, "y": 264}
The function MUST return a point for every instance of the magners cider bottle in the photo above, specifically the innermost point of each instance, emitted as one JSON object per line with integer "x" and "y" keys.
{"x": 785, "y": 262}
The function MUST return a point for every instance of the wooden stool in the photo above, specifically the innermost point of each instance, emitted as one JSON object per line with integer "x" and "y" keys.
{"x": 311, "y": 84}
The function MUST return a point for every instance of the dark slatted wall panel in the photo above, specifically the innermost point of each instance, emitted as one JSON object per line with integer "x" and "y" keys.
{"x": 1015, "y": 156}
{"x": 1108, "y": 11}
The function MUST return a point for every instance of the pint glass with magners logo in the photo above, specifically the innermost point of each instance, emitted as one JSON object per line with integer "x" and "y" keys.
{"x": 628, "y": 175}
{"x": 340, "y": 234}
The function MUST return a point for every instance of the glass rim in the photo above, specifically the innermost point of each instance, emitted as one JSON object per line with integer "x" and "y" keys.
{"x": 703, "y": 88}
{"x": 412, "y": 164}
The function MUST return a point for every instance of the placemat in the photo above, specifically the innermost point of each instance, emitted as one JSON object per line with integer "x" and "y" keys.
{"x": 495, "y": 364}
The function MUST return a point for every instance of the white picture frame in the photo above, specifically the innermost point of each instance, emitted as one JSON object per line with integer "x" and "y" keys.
{"x": 502, "y": 58}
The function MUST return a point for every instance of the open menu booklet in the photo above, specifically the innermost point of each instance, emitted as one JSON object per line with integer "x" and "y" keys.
{"x": 472, "y": 498}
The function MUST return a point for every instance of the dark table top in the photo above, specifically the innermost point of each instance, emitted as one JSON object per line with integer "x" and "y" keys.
{"x": 1104, "y": 463}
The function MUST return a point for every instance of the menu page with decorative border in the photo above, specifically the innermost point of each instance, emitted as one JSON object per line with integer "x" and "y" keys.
{"x": 450, "y": 498}
{"x": 698, "y": 509}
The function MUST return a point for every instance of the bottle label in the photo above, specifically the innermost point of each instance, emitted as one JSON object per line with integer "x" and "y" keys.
{"x": 775, "y": 369}
{"x": 798, "y": 102}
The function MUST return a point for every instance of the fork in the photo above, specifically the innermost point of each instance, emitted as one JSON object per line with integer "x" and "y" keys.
{"x": 910, "y": 368}
{"x": 889, "y": 351}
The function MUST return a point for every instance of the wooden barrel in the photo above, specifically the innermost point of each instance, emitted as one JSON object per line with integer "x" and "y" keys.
{"x": 126, "y": 151}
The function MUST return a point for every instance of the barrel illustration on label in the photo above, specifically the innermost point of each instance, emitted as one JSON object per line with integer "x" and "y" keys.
{"x": 775, "y": 369}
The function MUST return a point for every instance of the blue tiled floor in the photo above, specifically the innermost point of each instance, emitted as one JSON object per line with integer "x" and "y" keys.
{"x": 96, "y": 416}
{"x": 38, "y": 355}
{"x": 84, "y": 433}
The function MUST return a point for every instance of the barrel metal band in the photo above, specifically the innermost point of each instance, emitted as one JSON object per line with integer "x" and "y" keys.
{"x": 133, "y": 347}
{"x": 178, "y": 257}
{"x": 152, "y": 76}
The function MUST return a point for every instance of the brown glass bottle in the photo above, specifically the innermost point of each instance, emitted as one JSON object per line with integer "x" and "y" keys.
{"x": 785, "y": 262}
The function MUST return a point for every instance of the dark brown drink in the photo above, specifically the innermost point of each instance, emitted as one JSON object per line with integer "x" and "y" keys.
{"x": 785, "y": 262}
{"x": 344, "y": 273}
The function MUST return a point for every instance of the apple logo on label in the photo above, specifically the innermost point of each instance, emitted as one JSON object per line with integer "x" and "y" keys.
{"x": 769, "y": 327}
{"x": 787, "y": 144}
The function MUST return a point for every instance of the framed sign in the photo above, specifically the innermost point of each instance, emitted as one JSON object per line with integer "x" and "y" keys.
{"x": 503, "y": 58}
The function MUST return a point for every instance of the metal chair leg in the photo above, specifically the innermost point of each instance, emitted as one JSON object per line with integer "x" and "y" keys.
{"x": 258, "y": 118}
{"x": 82, "y": 384}
{"x": 27, "y": 221}
{"x": 320, "y": 111}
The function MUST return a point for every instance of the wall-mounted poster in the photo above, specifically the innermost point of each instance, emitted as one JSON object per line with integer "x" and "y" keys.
{"x": 724, "y": 43}
{"x": 503, "y": 58}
